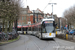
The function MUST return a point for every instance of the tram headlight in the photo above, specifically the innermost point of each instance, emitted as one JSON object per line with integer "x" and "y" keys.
{"x": 44, "y": 34}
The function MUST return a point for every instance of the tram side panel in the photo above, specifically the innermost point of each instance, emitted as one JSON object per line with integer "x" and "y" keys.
{"x": 38, "y": 30}
{"x": 24, "y": 30}
{"x": 29, "y": 31}
{"x": 19, "y": 30}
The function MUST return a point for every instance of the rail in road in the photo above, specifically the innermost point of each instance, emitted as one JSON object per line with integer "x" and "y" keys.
{"x": 44, "y": 47}
{"x": 50, "y": 44}
{"x": 29, "y": 42}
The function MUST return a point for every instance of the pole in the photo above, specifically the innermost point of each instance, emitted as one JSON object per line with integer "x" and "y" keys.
{"x": 37, "y": 17}
{"x": 33, "y": 16}
{"x": 52, "y": 8}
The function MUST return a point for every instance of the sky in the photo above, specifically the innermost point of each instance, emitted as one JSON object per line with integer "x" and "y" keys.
{"x": 43, "y": 5}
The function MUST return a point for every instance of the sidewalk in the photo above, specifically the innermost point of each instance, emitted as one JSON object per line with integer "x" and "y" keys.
{"x": 65, "y": 36}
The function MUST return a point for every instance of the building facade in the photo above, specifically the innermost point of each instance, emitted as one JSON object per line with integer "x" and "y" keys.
{"x": 27, "y": 16}
{"x": 23, "y": 19}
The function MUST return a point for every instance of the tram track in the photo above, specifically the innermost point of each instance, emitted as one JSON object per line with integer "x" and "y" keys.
{"x": 57, "y": 45}
{"x": 37, "y": 46}
{"x": 34, "y": 43}
{"x": 43, "y": 44}
{"x": 25, "y": 42}
{"x": 49, "y": 43}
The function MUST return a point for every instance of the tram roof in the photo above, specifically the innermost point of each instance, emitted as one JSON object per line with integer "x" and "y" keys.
{"x": 48, "y": 19}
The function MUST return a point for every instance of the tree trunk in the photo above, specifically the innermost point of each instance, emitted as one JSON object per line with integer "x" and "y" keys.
{"x": 6, "y": 27}
{"x": 3, "y": 26}
{"x": 10, "y": 26}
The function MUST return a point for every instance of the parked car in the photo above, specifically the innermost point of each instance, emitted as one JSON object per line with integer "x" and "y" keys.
{"x": 72, "y": 31}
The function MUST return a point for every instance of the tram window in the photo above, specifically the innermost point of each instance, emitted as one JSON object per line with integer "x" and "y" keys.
{"x": 24, "y": 29}
{"x": 35, "y": 28}
{"x": 32, "y": 29}
{"x": 43, "y": 30}
{"x": 29, "y": 29}
{"x": 19, "y": 29}
{"x": 0, "y": 29}
{"x": 49, "y": 24}
{"x": 39, "y": 27}
{"x": 43, "y": 24}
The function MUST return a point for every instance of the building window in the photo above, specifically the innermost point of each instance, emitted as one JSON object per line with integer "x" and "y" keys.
{"x": 25, "y": 12}
{"x": 29, "y": 19}
{"x": 22, "y": 18}
{"x": 22, "y": 23}
{"x": 36, "y": 20}
{"x": 19, "y": 23}
{"x": 19, "y": 18}
{"x": 25, "y": 17}
{"x": 28, "y": 14}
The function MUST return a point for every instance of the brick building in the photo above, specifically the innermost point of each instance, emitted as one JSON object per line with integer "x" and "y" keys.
{"x": 23, "y": 16}
{"x": 26, "y": 16}
{"x": 38, "y": 16}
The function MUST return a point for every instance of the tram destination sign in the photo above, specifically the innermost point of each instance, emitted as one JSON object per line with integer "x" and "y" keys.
{"x": 48, "y": 22}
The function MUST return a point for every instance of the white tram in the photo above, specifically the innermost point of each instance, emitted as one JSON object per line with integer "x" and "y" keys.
{"x": 43, "y": 29}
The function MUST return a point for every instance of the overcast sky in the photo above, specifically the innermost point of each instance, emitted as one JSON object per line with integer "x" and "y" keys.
{"x": 58, "y": 9}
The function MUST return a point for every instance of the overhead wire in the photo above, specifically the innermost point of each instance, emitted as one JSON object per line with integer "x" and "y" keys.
{"x": 47, "y": 5}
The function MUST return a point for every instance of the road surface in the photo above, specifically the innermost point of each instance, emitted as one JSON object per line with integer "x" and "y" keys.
{"x": 29, "y": 42}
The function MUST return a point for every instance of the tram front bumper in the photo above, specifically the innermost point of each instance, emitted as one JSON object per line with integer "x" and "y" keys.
{"x": 48, "y": 35}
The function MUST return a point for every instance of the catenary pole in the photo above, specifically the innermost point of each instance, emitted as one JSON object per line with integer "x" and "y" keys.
{"x": 52, "y": 7}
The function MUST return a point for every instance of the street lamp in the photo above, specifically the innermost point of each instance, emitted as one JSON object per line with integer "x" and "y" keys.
{"x": 52, "y": 7}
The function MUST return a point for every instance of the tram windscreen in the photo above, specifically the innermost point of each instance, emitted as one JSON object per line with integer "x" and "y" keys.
{"x": 48, "y": 26}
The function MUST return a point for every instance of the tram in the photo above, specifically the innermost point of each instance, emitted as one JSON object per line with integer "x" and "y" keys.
{"x": 22, "y": 29}
{"x": 43, "y": 29}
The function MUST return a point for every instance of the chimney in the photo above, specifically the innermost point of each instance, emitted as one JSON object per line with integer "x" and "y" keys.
{"x": 27, "y": 7}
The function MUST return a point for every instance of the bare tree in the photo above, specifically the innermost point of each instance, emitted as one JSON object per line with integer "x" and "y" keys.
{"x": 70, "y": 15}
{"x": 9, "y": 12}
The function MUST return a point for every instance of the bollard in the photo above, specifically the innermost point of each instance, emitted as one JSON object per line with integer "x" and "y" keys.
{"x": 56, "y": 32}
{"x": 66, "y": 36}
